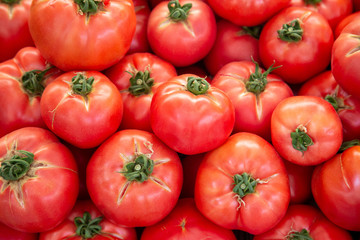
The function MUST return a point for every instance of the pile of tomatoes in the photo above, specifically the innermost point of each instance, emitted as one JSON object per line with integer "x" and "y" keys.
{"x": 190, "y": 119}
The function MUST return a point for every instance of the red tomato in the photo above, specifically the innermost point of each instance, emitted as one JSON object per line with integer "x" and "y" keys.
{"x": 233, "y": 43}
{"x": 306, "y": 130}
{"x": 247, "y": 13}
{"x": 335, "y": 187}
{"x": 137, "y": 76}
{"x": 254, "y": 94}
{"x": 186, "y": 222}
{"x": 345, "y": 21}
{"x": 190, "y": 165}
{"x": 181, "y": 33}
{"x": 22, "y": 81}
{"x": 86, "y": 222}
{"x": 14, "y": 30}
{"x": 134, "y": 179}
{"x": 300, "y": 40}
{"x": 333, "y": 10}
{"x": 190, "y": 116}
{"x": 243, "y": 185}
{"x": 305, "y": 222}
{"x": 72, "y": 107}
{"x": 348, "y": 107}
{"x": 38, "y": 180}
{"x": 84, "y": 35}
{"x": 139, "y": 42}
{"x": 7, "y": 233}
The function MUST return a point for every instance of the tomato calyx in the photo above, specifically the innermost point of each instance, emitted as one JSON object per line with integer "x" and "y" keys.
{"x": 301, "y": 235}
{"x": 300, "y": 139}
{"x": 82, "y": 85}
{"x": 291, "y": 32}
{"x": 140, "y": 169}
{"x": 86, "y": 227}
{"x": 10, "y": 2}
{"x": 197, "y": 85}
{"x": 244, "y": 184}
{"x": 140, "y": 83}
{"x": 88, "y": 6}
{"x": 16, "y": 166}
{"x": 177, "y": 12}
{"x": 312, "y": 2}
{"x": 252, "y": 31}
{"x": 337, "y": 102}
{"x": 348, "y": 144}
{"x": 32, "y": 82}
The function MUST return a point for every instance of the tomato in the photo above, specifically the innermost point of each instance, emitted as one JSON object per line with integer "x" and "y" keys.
{"x": 84, "y": 35}
{"x": 333, "y": 10}
{"x": 72, "y": 107}
{"x": 348, "y": 107}
{"x": 345, "y": 21}
{"x": 254, "y": 94}
{"x": 139, "y": 42}
{"x": 86, "y": 222}
{"x": 335, "y": 187}
{"x": 243, "y": 185}
{"x": 306, "y": 130}
{"x": 14, "y": 30}
{"x": 190, "y": 165}
{"x": 22, "y": 81}
{"x": 38, "y": 180}
{"x": 134, "y": 179}
{"x": 137, "y": 76}
{"x": 190, "y": 116}
{"x": 196, "y": 69}
{"x": 181, "y": 32}
{"x": 186, "y": 222}
{"x": 305, "y": 222}
{"x": 7, "y": 233}
{"x": 247, "y": 13}
{"x": 300, "y": 40}
{"x": 233, "y": 43}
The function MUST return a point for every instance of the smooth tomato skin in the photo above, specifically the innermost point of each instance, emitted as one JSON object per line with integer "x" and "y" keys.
{"x": 297, "y": 58}
{"x": 45, "y": 200}
{"x": 82, "y": 122}
{"x": 252, "y": 111}
{"x": 186, "y": 42}
{"x": 186, "y": 222}
{"x": 95, "y": 43}
{"x": 137, "y": 108}
{"x": 232, "y": 44}
{"x": 355, "y": 16}
{"x": 335, "y": 187}
{"x": 7, "y": 233}
{"x": 321, "y": 121}
{"x": 14, "y": 30}
{"x": 67, "y": 229}
{"x": 214, "y": 196}
{"x": 19, "y": 109}
{"x": 299, "y": 217}
{"x": 143, "y": 204}
{"x": 333, "y": 10}
{"x": 349, "y": 107}
{"x": 189, "y": 123}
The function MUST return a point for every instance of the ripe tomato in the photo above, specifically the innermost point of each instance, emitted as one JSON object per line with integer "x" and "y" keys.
{"x": 335, "y": 186}
{"x": 134, "y": 179}
{"x": 243, "y": 185}
{"x": 186, "y": 222}
{"x": 254, "y": 94}
{"x": 72, "y": 107}
{"x": 22, "y": 81}
{"x": 14, "y": 30}
{"x": 7, "y": 233}
{"x": 86, "y": 222}
{"x": 306, "y": 130}
{"x": 300, "y": 40}
{"x": 84, "y": 35}
{"x": 38, "y": 180}
{"x": 305, "y": 222}
{"x": 347, "y": 107}
{"x": 345, "y": 21}
{"x": 190, "y": 116}
{"x": 181, "y": 32}
{"x": 137, "y": 76}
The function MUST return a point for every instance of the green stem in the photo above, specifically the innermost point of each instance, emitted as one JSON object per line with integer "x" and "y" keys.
{"x": 253, "y": 31}
{"x": 291, "y": 32}
{"x": 10, "y": 2}
{"x": 140, "y": 83}
{"x": 312, "y": 2}
{"x": 302, "y": 235}
{"x": 244, "y": 184}
{"x": 177, "y": 12}
{"x": 32, "y": 82}
{"x": 17, "y": 166}
{"x": 348, "y": 144}
{"x": 88, "y": 6}
{"x": 86, "y": 227}
{"x": 197, "y": 85}
{"x": 300, "y": 139}
{"x": 82, "y": 85}
{"x": 139, "y": 170}
{"x": 333, "y": 101}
